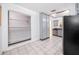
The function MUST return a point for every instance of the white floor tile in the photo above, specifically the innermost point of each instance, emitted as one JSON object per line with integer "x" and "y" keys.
{"x": 47, "y": 47}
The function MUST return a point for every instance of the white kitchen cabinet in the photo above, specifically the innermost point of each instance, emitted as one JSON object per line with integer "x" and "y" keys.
{"x": 60, "y": 33}
{"x": 44, "y": 26}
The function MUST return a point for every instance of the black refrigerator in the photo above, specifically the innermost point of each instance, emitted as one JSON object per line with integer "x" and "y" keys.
{"x": 71, "y": 35}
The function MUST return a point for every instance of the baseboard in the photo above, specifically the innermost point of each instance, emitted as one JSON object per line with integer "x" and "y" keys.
{"x": 18, "y": 45}
{"x": 57, "y": 35}
{"x": 44, "y": 38}
{"x": 18, "y": 42}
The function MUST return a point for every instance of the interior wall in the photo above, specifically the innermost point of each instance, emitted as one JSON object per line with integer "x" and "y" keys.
{"x": 0, "y": 24}
{"x": 0, "y": 15}
{"x": 4, "y": 27}
{"x": 34, "y": 22}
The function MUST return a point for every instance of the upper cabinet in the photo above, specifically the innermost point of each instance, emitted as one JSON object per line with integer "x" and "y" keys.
{"x": 57, "y": 22}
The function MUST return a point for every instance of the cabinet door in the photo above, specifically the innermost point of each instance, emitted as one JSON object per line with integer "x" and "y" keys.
{"x": 48, "y": 26}
{"x": 44, "y": 26}
{"x": 60, "y": 32}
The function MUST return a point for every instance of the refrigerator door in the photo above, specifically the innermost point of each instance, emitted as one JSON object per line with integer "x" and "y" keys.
{"x": 71, "y": 35}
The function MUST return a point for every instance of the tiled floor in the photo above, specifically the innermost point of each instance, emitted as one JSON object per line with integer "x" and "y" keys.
{"x": 47, "y": 47}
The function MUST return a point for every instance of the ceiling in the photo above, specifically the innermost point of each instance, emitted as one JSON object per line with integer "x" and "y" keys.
{"x": 46, "y": 7}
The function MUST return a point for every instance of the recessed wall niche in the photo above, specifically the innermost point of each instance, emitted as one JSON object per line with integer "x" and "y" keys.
{"x": 19, "y": 27}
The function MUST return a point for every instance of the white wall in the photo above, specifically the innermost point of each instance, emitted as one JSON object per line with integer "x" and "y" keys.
{"x": 0, "y": 23}
{"x": 4, "y": 27}
{"x": 34, "y": 23}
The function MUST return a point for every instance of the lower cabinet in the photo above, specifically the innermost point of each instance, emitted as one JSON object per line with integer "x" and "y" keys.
{"x": 57, "y": 32}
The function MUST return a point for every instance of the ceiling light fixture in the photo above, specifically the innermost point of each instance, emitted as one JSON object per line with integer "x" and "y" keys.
{"x": 65, "y": 11}
{"x": 54, "y": 15}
